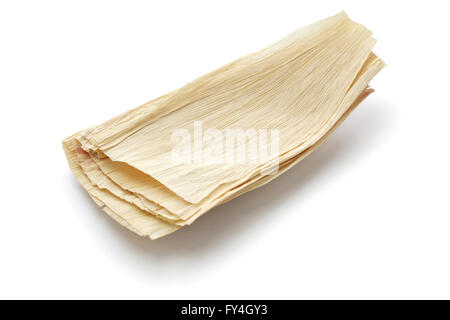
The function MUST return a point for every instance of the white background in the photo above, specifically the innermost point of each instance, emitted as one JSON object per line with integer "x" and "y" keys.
{"x": 365, "y": 216}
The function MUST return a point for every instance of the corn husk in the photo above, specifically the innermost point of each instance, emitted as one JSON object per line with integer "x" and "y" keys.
{"x": 304, "y": 86}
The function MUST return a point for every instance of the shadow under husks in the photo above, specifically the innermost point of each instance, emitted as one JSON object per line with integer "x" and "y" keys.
{"x": 368, "y": 125}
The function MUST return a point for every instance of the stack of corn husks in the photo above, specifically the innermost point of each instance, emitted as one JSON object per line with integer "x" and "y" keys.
{"x": 158, "y": 167}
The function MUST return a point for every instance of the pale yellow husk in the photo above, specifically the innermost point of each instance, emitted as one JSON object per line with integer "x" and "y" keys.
{"x": 304, "y": 86}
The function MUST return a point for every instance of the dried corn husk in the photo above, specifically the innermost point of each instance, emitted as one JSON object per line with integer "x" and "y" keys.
{"x": 304, "y": 86}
